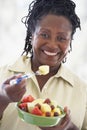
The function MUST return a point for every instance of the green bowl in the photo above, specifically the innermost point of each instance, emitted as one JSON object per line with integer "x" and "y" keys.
{"x": 39, "y": 120}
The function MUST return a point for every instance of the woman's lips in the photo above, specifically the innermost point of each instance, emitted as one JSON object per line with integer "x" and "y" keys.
{"x": 50, "y": 53}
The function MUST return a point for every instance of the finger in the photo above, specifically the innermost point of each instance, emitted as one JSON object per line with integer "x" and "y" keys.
{"x": 18, "y": 95}
{"x": 21, "y": 85}
{"x": 15, "y": 88}
{"x": 67, "y": 118}
{"x": 7, "y": 81}
{"x": 13, "y": 77}
{"x": 15, "y": 94}
{"x": 66, "y": 110}
{"x": 21, "y": 93}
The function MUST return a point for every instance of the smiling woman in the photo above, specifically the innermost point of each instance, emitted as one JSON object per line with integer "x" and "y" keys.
{"x": 51, "y": 25}
{"x": 51, "y": 40}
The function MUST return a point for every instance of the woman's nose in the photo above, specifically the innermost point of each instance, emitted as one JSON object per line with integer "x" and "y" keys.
{"x": 53, "y": 43}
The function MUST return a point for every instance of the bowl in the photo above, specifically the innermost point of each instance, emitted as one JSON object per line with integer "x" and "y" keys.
{"x": 40, "y": 121}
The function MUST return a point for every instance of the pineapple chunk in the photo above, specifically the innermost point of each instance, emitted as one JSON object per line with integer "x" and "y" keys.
{"x": 45, "y": 108}
{"x": 57, "y": 110}
{"x": 54, "y": 103}
{"x": 38, "y": 100}
{"x": 43, "y": 69}
{"x": 30, "y": 106}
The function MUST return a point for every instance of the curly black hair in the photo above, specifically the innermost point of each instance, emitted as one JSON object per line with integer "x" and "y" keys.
{"x": 39, "y": 8}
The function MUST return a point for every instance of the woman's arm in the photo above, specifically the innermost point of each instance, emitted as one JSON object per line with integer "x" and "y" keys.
{"x": 4, "y": 101}
{"x": 2, "y": 108}
{"x": 9, "y": 93}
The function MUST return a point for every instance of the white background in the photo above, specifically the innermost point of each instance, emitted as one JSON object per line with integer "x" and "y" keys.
{"x": 13, "y": 32}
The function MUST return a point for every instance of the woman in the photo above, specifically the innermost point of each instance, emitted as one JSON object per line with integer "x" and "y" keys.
{"x": 51, "y": 25}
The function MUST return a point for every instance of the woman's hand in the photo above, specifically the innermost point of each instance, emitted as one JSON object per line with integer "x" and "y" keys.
{"x": 13, "y": 93}
{"x": 65, "y": 124}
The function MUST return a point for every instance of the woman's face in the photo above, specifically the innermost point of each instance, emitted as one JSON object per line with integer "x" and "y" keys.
{"x": 51, "y": 40}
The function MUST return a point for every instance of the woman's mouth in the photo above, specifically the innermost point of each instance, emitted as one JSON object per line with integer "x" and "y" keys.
{"x": 50, "y": 53}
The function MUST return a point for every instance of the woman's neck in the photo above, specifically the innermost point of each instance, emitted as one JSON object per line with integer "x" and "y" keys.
{"x": 42, "y": 79}
{"x": 53, "y": 69}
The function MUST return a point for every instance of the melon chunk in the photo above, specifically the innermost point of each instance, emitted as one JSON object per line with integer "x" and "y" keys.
{"x": 43, "y": 69}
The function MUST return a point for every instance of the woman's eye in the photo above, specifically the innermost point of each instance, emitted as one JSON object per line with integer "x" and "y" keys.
{"x": 61, "y": 39}
{"x": 44, "y": 35}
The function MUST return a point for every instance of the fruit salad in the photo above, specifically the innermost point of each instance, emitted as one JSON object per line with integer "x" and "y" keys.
{"x": 40, "y": 107}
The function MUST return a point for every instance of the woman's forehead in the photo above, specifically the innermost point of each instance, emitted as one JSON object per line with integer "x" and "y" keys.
{"x": 53, "y": 21}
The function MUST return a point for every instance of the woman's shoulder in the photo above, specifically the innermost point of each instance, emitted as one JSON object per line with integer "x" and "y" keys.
{"x": 16, "y": 62}
{"x": 75, "y": 77}
{"x": 16, "y": 65}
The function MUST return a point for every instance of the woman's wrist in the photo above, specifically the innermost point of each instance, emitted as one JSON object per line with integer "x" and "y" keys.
{"x": 2, "y": 108}
{"x": 73, "y": 127}
{"x": 4, "y": 101}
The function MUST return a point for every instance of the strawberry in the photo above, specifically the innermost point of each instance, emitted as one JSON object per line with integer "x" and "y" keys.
{"x": 28, "y": 98}
{"x": 36, "y": 111}
{"x": 23, "y": 106}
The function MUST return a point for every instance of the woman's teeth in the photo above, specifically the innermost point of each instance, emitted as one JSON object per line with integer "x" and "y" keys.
{"x": 50, "y": 53}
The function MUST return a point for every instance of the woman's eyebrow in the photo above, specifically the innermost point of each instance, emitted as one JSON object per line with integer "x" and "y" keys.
{"x": 45, "y": 29}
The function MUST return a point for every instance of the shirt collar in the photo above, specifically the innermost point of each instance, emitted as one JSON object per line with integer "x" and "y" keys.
{"x": 23, "y": 65}
{"x": 65, "y": 74}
